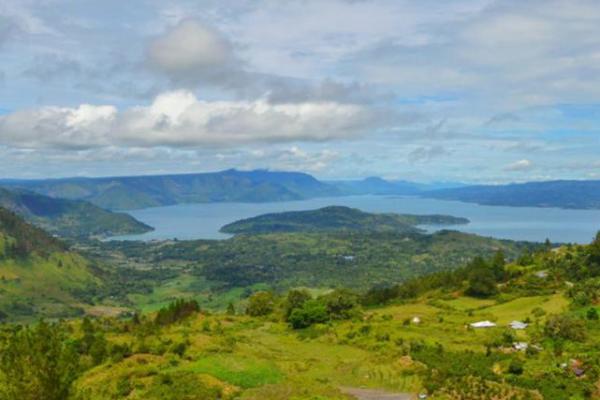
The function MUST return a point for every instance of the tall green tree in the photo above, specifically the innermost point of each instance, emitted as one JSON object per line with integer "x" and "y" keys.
{"x": 37, "y": 363}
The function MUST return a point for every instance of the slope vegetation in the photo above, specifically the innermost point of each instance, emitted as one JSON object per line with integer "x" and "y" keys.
{"x": 38, "y": 275}
{"x": 69, "y": 218}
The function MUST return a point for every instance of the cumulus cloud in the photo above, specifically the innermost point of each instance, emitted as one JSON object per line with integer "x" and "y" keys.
{"x": 193, "y": 52}
{"x": 179, "y": 118}
{"x": 521, "y": 165}
{"x": 513, "y": 54}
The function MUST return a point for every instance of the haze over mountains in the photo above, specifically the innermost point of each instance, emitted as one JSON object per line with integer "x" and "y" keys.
{"x": 561, "y": 194}
{"x": 137, "y": 192}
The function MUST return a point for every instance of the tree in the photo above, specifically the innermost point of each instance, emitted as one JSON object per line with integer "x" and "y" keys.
{"x": 594, "y": 250}
{"x": 176, "y": 311}
{"x": 260, "y": 304}
{"x": 565, "y": 327}
{"x": 230, "y": 309}
{"x": 37, "y": 363}
{"x": 482, "y": 283}
{"x": 295, "y": 299}
{"x": 498, "y": 263}
{"x": 341, "y": 304}
{"x": 311, "y": 312}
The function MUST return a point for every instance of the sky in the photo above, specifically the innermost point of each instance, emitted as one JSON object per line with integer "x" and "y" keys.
{"x": 475, "y": 91}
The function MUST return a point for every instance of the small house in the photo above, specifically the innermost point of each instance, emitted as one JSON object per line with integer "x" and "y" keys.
{"x": 520, "y": 346}
{"x": 416, "y": 320}
{"x": 482, "y": 324}
{"x": 518, "y": 325}
{"x": 542, "y": 274}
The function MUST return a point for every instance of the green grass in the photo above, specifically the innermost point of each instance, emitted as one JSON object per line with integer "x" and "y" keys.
{"x": 43, "y": 286}
{"x": 243, "y": 372}
{"x": 521, "y": 308}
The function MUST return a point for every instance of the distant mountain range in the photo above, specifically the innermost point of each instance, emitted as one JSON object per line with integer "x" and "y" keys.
{"x": 137, "y": 192}
{"x": 561, "y": 194}
{"x": 337, "y": 218}
{"x": 127, "y": 193}
{"x": 69, "y": 218}
{"x": 377, "y": 185}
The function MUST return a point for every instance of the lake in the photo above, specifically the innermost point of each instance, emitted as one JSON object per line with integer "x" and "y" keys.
{"x": 203, "y": 221}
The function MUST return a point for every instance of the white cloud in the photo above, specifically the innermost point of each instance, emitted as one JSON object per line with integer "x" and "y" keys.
{"x": 178, "y": 118}
{"x": 192, "y": 50}
{"x": 521, "y": 165}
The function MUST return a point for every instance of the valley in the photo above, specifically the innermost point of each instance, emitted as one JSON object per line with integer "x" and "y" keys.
{"x": 328, "y": 303}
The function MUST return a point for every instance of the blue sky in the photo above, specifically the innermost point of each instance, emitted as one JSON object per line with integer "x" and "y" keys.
{"x": 473, "y": 90}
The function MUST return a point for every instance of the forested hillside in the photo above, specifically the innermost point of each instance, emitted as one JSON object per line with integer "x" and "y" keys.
{"x": 38, "y": 275}
{"x": 69, "y": 218}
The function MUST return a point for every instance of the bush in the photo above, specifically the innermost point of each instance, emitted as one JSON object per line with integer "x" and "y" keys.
{"x": 260, "y": 304}
{"x": 515, "y": 367}
{"x": 564, "y": 327}
{"x": 341, "y": 304}
{"x": 312, "y": 312}
{"x": 295, "y": 299}
{"x": 592, "y": 314}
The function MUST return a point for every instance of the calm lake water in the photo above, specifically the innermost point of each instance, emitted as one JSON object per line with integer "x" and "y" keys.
{"x": 203, "y": 221}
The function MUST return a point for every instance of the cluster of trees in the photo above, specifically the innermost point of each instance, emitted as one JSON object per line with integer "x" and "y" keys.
{"x": 176, "y": 311}
{"x": 288, "y": 260}
{"x": 484, "y": 276}
{"x": 481, "y": 277}
{"x": 301, "y": 310}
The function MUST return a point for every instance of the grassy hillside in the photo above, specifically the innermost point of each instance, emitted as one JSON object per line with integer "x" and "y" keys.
{"x": 336, "y": 218}
{"x": 122, "y": 193}
{"x": 562, "y": 194}
{"x": 336, "y": 345}
{"x": 69, "y": 218}
{"x": 38, "y": 276}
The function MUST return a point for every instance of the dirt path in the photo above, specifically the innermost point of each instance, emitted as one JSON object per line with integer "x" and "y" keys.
{"x": 374, "y": 394}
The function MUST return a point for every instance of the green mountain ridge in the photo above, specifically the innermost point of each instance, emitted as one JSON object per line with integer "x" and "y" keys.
{"x": 69, "y": 218}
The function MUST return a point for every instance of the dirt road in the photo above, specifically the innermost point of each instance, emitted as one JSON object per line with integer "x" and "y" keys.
{"x": 374, "y": 394}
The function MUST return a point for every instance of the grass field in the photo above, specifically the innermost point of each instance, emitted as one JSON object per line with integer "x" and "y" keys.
{"x": 264, "y": 359}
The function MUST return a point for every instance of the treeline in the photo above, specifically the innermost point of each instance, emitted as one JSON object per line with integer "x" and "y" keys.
{"x": 176, "y": 311}
{"x": 301, "y": 310}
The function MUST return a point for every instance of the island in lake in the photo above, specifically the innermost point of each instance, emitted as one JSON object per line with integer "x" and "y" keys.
{"x": 338, "y": 218}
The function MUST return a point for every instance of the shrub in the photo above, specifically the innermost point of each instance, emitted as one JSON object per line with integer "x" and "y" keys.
{"x": 260, "y": 304}
{"x": 564, "y": 327}
{"x": 312, "y": 312}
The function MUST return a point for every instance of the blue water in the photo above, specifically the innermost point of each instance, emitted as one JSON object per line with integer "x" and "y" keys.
{"x": 203, "y": 221}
